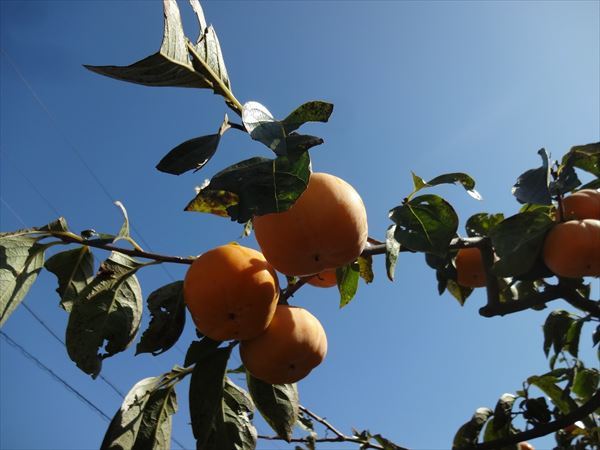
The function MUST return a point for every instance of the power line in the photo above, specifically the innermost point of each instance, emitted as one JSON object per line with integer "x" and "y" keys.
{"x": 45, "y": 368}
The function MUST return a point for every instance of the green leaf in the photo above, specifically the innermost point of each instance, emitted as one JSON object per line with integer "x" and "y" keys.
{"x": 532, "y": 186}
{"x": 418, "y": 182}
{"x": 206, "y": 394}
{"x": 144, "y": 419}
{"x": 503, "y": 411}
{"x": 493, "y": 432}
{"x": 556, "y": 327}
{"x": 386, "y": 443}
{"x": 193, "y": 154}
{"x": 198, "y": 350}
{"x": 566, "y": 181}
{"x": 314, "y": 111}
{"x": 425, "y": 224}
{"x": 572, "y": 338}
{"x": 460, "y": 293}
{"x": 392, "y": 250}
{"x": 167, "y": 308}
{"x": 108, "y": 309}
{"x": 236, "y": 431}
{"x": 178, "y": 63}
{"x": 365, "y": 268}
{"x": 347, "y": 282}
{"x": 124, "y": 231}
{"x": 21, "y": 259}
{"x": 277, "y": 403}
{"x": 518, "y": 241}
{"x": 468, "y": 434}
{"x": 457, "y": 178}
{"x": 560, "y": 397}
{"x": 586, "y": 383}
{"x": 480, "y": 225}
{"x": 59, "y": 225}
{"x": 74, "y": 270}
{"x": 255, "y": 186}
{"x": 584, "y": 157}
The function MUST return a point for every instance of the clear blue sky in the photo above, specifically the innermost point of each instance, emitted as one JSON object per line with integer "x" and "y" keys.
{"x": 431, "y": 87}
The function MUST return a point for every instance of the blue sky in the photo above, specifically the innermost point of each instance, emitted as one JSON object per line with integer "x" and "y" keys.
{"x": 432, "y": 87}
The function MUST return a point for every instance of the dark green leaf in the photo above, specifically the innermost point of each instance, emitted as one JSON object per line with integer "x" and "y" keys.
{"x": 198, "y": 350}
{"x": 277, "y": 403}
{"x": 596, "y": 336}
{"x": 176, "y": 63}
{"x": 584, "y": 157}
{"x": 168, "y": 319}
{"x": 480, "y": 225}
{"x": 347, "y": 282}
{"x": 235, "y": 431}
{"x": 206, "y": 394}
{"x": 560, "y": 397}
{"x": 315, "y": 111}
{"x": 156, "y": 425}
{"x": 190, "y": 155}
{"x": 21, "y": 259}
{"x": 555, "y": 330}
{"x": 426, "y": 224}
{"x": 392, "y": 250}
{"x": 468, "y": 434}
{"x": 586, "y": 383}
{"x": 536, "y": 410}
{"x": 255, "y": 186}
{"x": 518, "y": 241}
{"x": 457, "y": 178}
{"x": 74, "y": 270}
{"x": 365, "y": 268}
{"x": 503, "y": 411}
{"x": 385, "y": 443}
{"x": 108, "y": 309}
{"x": 572, "y": 338}
{"x": 263, "y": 127}
{"x": 491, "y": 433}
{"x": 567, "y": 181}
{"x": 532, "y": 185}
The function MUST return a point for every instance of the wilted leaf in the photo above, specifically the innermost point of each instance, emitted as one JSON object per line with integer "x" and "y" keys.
{"x": 347, "y": 282}
{"x": 555, "y": 330}
{"x": 426, "y": 224}
{"x": 168, "y": 319}
{"x": 255, "y": 186}
{"x": 178, "y": 63}
{"x": 518, "y": 241}
{"x": 277, "y": 403}
{"x": 468, "y": 434}
{"x": 537, "y": 410}
{"x": 392, "y": 250}
{"x": 532, "y": 186}
{"x": 74, "y": 270}
{"x": 108, "y": 309}
{"x": 21, "y": 259}
{"x": 315, "y": 111}
{"x": 144, "y": 419}
{"x": 480, "y": 225}
{"x": 365, "y": 268}
{"x": 503, "y": 411}
{"x": 124, "y": 231}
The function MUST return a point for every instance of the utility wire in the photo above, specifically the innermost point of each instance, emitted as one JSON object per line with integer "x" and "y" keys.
{"x": 45, "y": 368}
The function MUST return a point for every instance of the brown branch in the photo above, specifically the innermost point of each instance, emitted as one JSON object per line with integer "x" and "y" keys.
{"x": 74, "y": 239}
{"x": 542, "y": 429}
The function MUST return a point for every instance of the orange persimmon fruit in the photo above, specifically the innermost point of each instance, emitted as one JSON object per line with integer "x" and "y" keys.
{"x": 572, "y": 248}
{"x": 325, "y": 279}
{"x": 469, "y": 268}
{"x": 291, "y": 347}
{"x": 231, "y": 292}
{"x": 584, "y": 204}
{"x": 326, "y": 228}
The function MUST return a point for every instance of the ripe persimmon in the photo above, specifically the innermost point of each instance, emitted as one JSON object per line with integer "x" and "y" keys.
{"x": 469, "y": 268}
{"x": 293, "y": 345}
{"x": 326, "y": 228}
{"x": 525, "y": 446}
{"x": 584, "y": 204}
{"x": 572, "y": 248}
{"x": 325, "y": 279}
{"x": 231, "y": 292}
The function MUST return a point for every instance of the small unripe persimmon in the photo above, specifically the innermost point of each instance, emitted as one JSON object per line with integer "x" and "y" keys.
{"x": 572, "y": 249}
{"x": 525, "y": 446}
{"x": 231, "y": 292}
{"x": 469, "y": 268}
{"x": 584, "y": 204}
{"x": 326, "y": 228}
{"x": 291, "y": 347}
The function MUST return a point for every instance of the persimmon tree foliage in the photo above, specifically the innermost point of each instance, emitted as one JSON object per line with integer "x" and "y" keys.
{"x": 508, "y": 256}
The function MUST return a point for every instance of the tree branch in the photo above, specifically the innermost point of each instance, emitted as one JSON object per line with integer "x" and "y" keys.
{"x": 542, "y": 429}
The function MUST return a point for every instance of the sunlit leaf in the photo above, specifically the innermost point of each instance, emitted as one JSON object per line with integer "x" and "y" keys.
{"x": 560, "y": 397}
{"x": 74, "y": 270}
{"x": 465, "y": 180}
{"x": 263, "y": 127}
{"x": 586, "y": 383}
{"x": 347, "y": 282}
{"x": 167, "y": 309}
{"x": 392, "y": 250}
{"x": 106, "y": 316}
{"x": 277, "y": 403}
{"x": 365, "y": 268}
{"x": 503, "y": 411}
{"x": 468, "y": 434}
{"x": 584, "y": 157}
{"x": 480, "y": 225}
